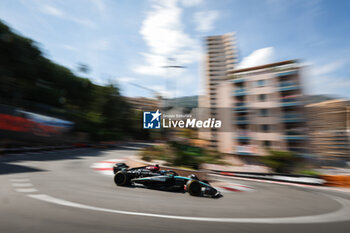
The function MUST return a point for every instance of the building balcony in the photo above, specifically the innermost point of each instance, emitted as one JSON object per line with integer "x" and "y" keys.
{"x": 287, "y": 102}
{"x": 242, "y": 120}
{"x": 240, "y": 106}
{"x": 243, "y": 135}
{"x": 287, "y": 86}
{"x": 342, "y": 148}
{"x": 294, "y": 135}
{"x": 239, "y": 80}
{"x": 292, "y": 117}
{"x": 216, "y": 49}
{"x": 215, "y": 44}
{"x": 216, "y": 62}
{"x": 284, "y": 74}
{"x": 217, "y": 73}
{"x": 239, "y": 92}
{"x": 245, "y": 110}
{"x": 245, "y": 150}
{"x": 244, "y": 153}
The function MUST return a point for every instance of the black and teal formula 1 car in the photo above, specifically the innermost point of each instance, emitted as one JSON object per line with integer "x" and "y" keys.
{"x": 169, "y": 181}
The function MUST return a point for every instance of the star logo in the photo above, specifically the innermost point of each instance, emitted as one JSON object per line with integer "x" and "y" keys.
{"x": 151, "y": 120}
{"x": 156, "y": 115}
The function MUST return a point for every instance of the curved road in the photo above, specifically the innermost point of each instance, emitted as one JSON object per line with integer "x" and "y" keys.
{"x": 58, "y": 191}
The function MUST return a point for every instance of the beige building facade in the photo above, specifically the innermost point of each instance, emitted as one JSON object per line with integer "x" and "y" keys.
{"x": 265, "y": 102}
{"x": 220, "y": 59}
{"x": 330, "y": 128}
{"x": 143, "y": 103}
{"x": 267, "y": 110}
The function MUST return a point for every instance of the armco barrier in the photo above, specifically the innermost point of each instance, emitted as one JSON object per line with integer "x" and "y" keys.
{"x": 300, "y": 179}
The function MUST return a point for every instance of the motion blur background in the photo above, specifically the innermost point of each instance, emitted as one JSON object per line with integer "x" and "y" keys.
{"x": 80, "y": 73}
{"x": 77, "y": 75}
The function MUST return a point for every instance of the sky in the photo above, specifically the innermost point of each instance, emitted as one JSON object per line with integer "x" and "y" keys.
{"x": 128, "y": 42}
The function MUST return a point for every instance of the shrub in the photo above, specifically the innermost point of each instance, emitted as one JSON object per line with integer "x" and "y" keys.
{"x": 181, "y": 154}
{"x": 280, "y": 161}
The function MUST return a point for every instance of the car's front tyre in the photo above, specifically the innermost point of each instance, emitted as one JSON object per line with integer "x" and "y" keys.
{"x": 194, "y": 188}
{"x": 121, "y": 178}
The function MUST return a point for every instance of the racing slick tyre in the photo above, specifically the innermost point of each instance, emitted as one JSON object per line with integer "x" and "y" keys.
{"x": 194, "y": 188}
{"x": 121, "y": 178}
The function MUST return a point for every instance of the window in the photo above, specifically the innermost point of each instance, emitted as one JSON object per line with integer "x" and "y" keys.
{"x": 262, "y": 97}
{"x": 265, "y": 128}
{"x": 264, "y": 112}
{"x": 267, "y": 144}
{"x": 261, "y": 83}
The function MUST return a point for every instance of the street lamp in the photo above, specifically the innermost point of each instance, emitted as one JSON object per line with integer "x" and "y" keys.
{"x": 167, "y": 80}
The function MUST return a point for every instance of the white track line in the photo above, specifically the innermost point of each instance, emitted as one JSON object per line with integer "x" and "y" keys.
{"x": 27, "y": 190}
{"x": 342, "y": 214}
{"x": 20, "y": 180}
{"x": 22, "y": 185}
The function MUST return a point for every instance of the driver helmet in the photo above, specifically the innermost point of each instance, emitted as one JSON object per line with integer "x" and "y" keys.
{"x": 162, "y": 172}
{"x": 193, "y": 176}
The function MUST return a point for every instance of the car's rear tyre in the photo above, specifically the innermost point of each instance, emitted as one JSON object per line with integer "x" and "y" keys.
{"x": 194, "y": 188}
{"x": 121, "y": 178}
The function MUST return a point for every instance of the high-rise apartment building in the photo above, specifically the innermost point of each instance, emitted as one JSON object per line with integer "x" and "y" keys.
{"x": 267, "y": 109}
{"x": 264, "y": 103}
{"x": 221, "y": 57}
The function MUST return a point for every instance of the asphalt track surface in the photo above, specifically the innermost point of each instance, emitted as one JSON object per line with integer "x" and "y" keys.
{"x": 58, "y": 191}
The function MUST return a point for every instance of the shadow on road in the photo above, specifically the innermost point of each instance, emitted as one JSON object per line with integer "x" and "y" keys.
{"x": 12, "y": 168}
{"x": 7, "y": 166}
{"x": 168, "y": 190}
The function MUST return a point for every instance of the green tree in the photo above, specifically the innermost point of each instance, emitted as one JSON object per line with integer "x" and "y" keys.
{"x": 280, "y": 161}
{"x": 31, "y": 81}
